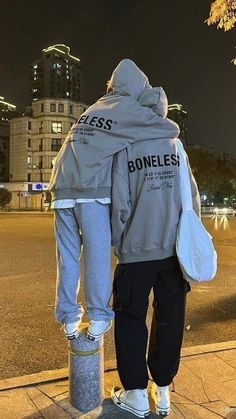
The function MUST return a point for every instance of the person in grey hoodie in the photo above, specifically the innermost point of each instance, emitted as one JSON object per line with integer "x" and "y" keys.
{"x": 146, "y": 208}
{"x": 81, "y": 189}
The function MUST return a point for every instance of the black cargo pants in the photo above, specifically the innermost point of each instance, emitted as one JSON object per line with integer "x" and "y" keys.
{"x": 133, "y": 283}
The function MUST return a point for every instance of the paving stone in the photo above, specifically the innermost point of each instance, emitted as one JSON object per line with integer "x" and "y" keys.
{"x": 211, "y": 347}
{"x": 15, "y": 404}
{"x": 55, "y": 388}
{"x": 107, "y": 409}
{"x": 229, "y": 357}
{"x": 216, "y": 375}
{"x": 205, "y": 388}
{"x": 180, "y": 402}
{"x": 218, "y": 407}
{"x": 45, "y": 405}
{"x": 208, "y": 391}
{"x": 226, "y": 390}
{"x": 194, "y": 411}
{"x": 232, "y": 414}
{"x": 187, "y": 383}
{"x": 209, "y": 366}
{"x": 25, "y": 380}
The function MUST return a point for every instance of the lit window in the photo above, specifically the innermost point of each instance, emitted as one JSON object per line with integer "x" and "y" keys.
{"x": 53, "y": 107}
{"x": 29, "y": 160}
{"x": 56, "y": 65}
{"x": 56, "y": 144}
{"x": 57, "y": 127}
{"x": 36, "y": 66}
{"x": 35, "y": 90}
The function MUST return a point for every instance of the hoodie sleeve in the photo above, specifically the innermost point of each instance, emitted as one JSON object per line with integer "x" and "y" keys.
{"x": 194, "y": 189}
{"x": 120, "y": 204}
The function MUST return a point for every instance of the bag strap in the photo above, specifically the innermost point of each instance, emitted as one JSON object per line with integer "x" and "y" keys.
{"x": 185, "y": 186}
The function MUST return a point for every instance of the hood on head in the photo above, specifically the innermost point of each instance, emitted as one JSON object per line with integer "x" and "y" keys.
{"x": 127, "y": 80}
{"x": 156, "y": 99}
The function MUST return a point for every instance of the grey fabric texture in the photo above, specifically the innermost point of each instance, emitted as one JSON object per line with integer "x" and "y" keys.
{"x": 132, "y": 111}
{"x": 146, "y": 202}
{"x": 88, "y": 225}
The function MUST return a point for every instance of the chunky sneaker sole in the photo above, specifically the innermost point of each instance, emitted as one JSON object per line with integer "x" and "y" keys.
{"x": 125, "y": 406}
{"x": 94, "y": 337}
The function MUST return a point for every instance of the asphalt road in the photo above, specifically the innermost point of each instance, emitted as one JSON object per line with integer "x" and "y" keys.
{"x": 30, "y": 339}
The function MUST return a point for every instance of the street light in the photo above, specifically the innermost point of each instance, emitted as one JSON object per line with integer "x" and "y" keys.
{"x": 41, "y": 180}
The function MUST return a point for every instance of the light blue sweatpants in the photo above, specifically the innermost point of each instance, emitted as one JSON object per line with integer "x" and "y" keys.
{"x": 85, "y": 226}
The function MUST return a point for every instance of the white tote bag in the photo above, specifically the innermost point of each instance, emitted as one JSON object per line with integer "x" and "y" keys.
{"x": 195, "y": 250}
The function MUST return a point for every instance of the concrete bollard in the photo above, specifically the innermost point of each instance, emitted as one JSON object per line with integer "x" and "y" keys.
{"x": 86, "y": 372}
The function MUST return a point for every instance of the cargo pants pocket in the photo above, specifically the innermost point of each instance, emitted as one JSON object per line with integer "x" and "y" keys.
{"x": 122, "y": 289}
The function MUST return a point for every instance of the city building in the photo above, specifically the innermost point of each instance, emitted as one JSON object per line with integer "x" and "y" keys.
{"x": 37, "y": 136}
{"x": 7, "y": 112}
{"x": 57, "y": 74}
{"x": 179, "y": 115}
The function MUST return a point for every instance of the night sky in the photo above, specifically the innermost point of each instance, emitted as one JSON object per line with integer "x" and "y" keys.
{"x": 168, "y": 40}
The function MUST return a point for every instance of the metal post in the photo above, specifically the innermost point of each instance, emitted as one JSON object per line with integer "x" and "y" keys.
{"x": 41, "y": 180}
{"x": 86, "y": 372}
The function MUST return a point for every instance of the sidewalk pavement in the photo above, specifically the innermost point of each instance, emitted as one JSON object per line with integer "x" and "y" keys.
{"x": 204, "y": 388}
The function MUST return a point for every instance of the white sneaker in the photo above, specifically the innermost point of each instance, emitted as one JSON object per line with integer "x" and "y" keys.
{"x": 97, "y": 328}
{"x": 134, "y": 401}
{"x": 71, "y": 330}
{"x": 161, "y": 397}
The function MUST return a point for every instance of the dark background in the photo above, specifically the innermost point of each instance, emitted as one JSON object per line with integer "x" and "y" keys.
{"x": 167, "y": 39}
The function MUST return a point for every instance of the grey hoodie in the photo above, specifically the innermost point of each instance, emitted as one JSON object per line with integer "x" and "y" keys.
{"x": 146, "y": 203}
{"x": 83, "y": 165}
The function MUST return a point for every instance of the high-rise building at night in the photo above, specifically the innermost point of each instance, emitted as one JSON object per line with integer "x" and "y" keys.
{"x": 37, "y": 136}
{"x": 57, "y": 74}
{"x": 7, "y": 112}
{"x": 179, "y": 115}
